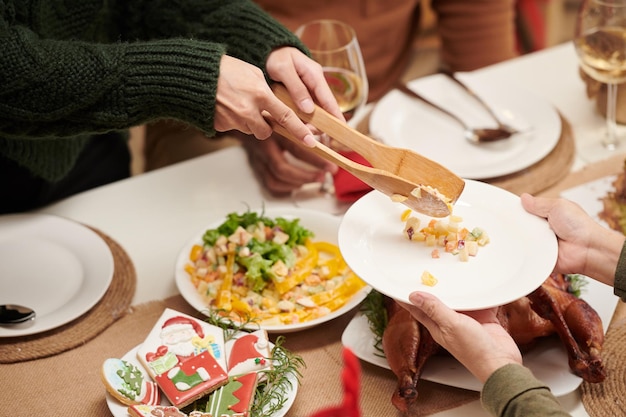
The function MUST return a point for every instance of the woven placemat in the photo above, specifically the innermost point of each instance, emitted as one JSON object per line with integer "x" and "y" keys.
{"x": 608, "y": 398}
{"x": 545, "y": 173}
{"x": 113, "y": 305}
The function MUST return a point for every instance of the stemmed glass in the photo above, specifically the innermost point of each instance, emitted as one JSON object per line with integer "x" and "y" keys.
{"x": 600, "y": 43}
{"x": 334, "y": 45}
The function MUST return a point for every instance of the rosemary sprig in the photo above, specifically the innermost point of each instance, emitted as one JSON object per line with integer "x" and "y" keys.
{"x": 272, "y": 393}
{"x": 374, "y": 309}
{"x": 577, "y": 284}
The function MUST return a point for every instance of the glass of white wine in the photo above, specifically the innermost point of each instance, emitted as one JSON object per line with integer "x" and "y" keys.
{"x": 334, "y": 45}
{"x": 600, "y": 43}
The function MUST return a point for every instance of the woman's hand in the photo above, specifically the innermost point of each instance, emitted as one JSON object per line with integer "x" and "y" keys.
{"x": 303, "y": 78}
{"x": 585, "y": 246}
{"x": 476, "y": 338}
{"x": 244, "y": 98}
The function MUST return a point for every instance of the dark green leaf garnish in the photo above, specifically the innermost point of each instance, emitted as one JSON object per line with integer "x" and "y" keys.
{"x": 373, "y": 307}
{"x": 577, "y": 284}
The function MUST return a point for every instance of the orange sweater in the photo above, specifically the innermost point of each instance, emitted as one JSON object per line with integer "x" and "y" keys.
{"x": 473, "y": 33}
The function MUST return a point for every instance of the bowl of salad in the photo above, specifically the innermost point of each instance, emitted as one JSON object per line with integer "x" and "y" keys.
{"x": 277, "y": 269}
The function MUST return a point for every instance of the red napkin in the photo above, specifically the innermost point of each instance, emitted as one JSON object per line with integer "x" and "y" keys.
{"x": 349, "y": 188}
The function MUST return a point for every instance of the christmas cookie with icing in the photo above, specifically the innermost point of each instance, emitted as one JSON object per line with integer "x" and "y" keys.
{"x": 185, "y": 356}
{"x": 162, "y": 411}
{"x": 248, "y": 352}
{"x": 235, "y": 398}
{"x": 126, "y": 383}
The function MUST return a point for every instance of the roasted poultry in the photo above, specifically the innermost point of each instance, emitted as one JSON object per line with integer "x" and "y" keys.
{"x": 548, "y": 310}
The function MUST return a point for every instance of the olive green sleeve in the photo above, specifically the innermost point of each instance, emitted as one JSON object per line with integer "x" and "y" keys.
{"x": 513, "y": 391}
{"x": 619, "y": 287}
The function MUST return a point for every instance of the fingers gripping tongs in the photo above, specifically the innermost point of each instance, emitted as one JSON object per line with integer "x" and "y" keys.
{"x": 405, "y": 176}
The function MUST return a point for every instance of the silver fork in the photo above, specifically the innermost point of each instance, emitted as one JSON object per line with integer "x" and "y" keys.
{"x": 479, "y": 99}
{"x": 472, "y": 134}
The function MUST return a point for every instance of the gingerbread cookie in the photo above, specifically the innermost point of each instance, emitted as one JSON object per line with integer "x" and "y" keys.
{"x": 185, "y": 356}
{"x": 126, "y": 383}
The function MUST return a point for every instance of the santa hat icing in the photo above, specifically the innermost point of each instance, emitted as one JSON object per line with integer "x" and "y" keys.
{"x": 249, "y": 353}
{"x": 178, "y": 323}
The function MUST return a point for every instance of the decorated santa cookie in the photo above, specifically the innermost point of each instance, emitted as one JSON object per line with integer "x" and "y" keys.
{"x": 248, "y": 352}
{"x": 185, "y": 356}
{"x": 126, "y": 383}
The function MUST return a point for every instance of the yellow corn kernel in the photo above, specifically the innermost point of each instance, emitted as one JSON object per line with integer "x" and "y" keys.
{"x": 428, "y": 279}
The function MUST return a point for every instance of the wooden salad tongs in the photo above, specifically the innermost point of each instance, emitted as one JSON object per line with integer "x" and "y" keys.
{"x": 405, "y": 176}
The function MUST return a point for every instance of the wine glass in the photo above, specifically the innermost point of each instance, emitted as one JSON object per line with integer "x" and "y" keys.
{"x": 334, "y": 45}
{"x": 600, "y": 43}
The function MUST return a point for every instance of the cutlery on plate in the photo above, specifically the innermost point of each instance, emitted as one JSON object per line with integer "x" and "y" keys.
{"x": 474, "y": 135}
{"x": 420, "y": 183}
{"x": 13, "y": 314}
{"x": 481, "y": 101}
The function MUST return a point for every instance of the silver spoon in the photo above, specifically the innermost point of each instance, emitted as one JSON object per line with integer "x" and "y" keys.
{"x": 474, "y": 135}
{"x": 13, "y": 314}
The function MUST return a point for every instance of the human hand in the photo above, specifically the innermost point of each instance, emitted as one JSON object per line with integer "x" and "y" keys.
{"x": 476, "y": 338}
{"x": 244, "y": 98}
{"x": 303, "y": 78}
{"x": 585, "y": 246}
{"x": 282, "y": 166}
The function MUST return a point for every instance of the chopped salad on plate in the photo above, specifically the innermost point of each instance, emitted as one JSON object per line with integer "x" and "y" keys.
{"x": 270, "y": 271}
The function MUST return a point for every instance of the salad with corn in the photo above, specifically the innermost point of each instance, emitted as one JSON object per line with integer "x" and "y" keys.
{"x": 270, "y": 271}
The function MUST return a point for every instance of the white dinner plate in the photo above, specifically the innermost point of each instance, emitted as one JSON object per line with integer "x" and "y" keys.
{"x": 56, "y": 266}
{"x": 405, "y": 122}
{"x": 120, "y": 410}
{"x": 520, "y": 255}
{"x": 323, "y": 225}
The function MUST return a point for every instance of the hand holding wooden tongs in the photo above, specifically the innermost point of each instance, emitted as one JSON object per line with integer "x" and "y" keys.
{"x": 408, "y": 177}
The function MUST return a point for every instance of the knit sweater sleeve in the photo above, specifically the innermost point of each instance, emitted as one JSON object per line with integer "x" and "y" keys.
{"x": 160, "y": 68}
{"x": 619, "y": 286}
{"x": 513, "y": 391}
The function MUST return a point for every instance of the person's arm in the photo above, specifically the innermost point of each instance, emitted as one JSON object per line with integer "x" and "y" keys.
{"x": 513, "y": 391}
{"x": 56, "y": 87}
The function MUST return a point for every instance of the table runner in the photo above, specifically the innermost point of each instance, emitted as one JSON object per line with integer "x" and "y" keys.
{"x": 69, "y": 383}
{"x": 113, "y": 305}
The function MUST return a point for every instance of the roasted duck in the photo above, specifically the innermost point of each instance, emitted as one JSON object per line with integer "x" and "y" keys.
{"x": 550, "y": 309}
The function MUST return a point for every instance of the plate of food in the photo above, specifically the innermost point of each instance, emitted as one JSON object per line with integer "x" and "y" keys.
{"x": 546, "y": 356}
{"x": 56, "y": 266}
{"x": 404, "y": 122}
{"x": 489, "y": 252}
{"x": 186, "y": 364}
{"x": 279, "y": 269}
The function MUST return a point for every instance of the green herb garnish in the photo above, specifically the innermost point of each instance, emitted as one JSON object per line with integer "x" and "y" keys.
{"x": 273, "y": 392}
{"x": 373, "y": 306}
{"x": 577, "y": 283}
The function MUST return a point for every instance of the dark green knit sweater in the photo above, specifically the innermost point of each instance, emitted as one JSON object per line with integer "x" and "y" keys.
{"x": 73, "y": 68}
